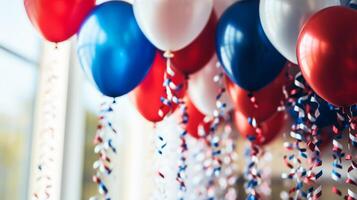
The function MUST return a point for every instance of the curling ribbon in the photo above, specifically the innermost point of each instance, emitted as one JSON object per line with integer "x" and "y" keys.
{"x": 161, "y": 144}
{"x": 351, "y": 157}
{"x": 305, "y": 133}
{"x": 230, "y": 158}
{"x": 181, "y": 173}
{"x": 103, "y": 148}
{"x": 173, "y": 99}
{"x": 338, "y": 152}
{"x": 252, "y": 172}
{"x": 218, "y": 117}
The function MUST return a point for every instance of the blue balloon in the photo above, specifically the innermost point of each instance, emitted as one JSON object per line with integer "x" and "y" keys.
{"x": 248, "y": 57}
{"x": 112, "y": 49}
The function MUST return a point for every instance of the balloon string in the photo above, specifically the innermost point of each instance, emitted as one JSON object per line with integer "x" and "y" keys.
{"x": 297, "y": 96}
{"x": 253, "y": 155}
{"x": 230, "y": 163}
{"x": 172, "y": 99}
{"x": 315, "y": 170}
{"x": 160, "y": 179}
{"x": 253, "y": 176}
{"x": 351, "y": 157}
{"x": 338, "y": 153}
{"x": 218, "y": 117}
{"x": 104, "y": 147}
{"x": 182, "y": 167}
{"x": 47, "y": 140}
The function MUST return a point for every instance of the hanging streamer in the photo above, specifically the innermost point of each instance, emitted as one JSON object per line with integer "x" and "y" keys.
{"x": 218, "y": 118}
{"x": 338, "y": 153}
{"x": 172, "y": 99}
{"x": 253, "y": 178}
{"x": 104, "y": 147}
{"x": 350, "y": 156}
{"x": 230, "y": 158}
{"x": 307, "y": 138}
{"x": 161, "y": 144}
{"x": 44, "y": 180}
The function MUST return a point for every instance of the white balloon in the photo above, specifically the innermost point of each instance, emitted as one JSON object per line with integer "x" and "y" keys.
{"x": 282, "y": 21}
{"x": 221, "y": 5}
{"x": 203, "y": 90}
{"x": 172, "y": 24}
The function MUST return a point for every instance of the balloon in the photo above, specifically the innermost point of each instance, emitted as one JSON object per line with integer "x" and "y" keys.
{"x": 203, "y": 90}
{"x": 147, "y": 95}
{"x": 268, "y": 98}
{"x": 327, "y": 55}
{"x": 270, "y": 128}
{"x": 113, "y": 50}
{"x": 196, "y": 126}
{"x": 242, "y": 47}
{"x": 196, "y": 55}
{"x": 58, "y": 20}
{"x": 282, "y": 21}
{"x": 172, "y": 25}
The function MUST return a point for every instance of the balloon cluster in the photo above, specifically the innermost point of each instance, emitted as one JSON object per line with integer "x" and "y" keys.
{"x": 166, "y": 53}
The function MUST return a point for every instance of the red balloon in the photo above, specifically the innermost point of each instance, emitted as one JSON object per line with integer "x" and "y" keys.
{"x": 270, "y": 128}
{"x": 196, "y": 55}
{"x": 268, "y": 98}
{"x": 147, "y": 95}
{"x": 196, "y": 122}
{"x": 58, "y": 20}
{"x": 327, "y": 54}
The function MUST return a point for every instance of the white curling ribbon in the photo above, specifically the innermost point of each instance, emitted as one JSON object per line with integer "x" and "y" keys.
{"x": 336, "y": 143}
{"x": 169, "y": 70}
{"x": 296, "y": 135}
{"x": 254, "y": 122}
{"x": 288, "y": 145}
{"x": 172, "y": 85}
{"x": 303, "y": 127}
{"x": 353, "y": 138}
{"x": 297, "y": 83}
{"x": 352, "y": 194}
{"x": 335, "y": 177}
{"x": 311, "y": 118}
{"x": 340, "y": 117}
{"x": 98, "y": 148}
{"x": 318, "y": 190}
{"x": 300, "y": 111}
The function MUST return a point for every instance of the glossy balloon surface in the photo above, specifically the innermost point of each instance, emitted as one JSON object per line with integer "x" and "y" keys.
{"x": 174, "y": 24}
{"x": 248, "y": 57}
{"x": 196, "y": 55}
{"x": 113, "y": 50}
{"x": 282, "y": 21}
{"x": 58, "y": 20}
{"x": 327, "y": 55}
